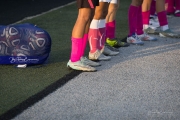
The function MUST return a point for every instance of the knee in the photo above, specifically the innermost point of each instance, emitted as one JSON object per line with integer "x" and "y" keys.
{"x": 87, "y": 18}
{"x": 84, "y": 17}
{"x": 100, "y": 14}
{"x": 113, "y": 8}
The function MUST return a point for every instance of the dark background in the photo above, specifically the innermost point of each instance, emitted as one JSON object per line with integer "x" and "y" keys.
{"x": 12, "y": 11}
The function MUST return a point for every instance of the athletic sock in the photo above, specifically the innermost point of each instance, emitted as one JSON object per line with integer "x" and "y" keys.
{"x": 177, "y": 4}
{"x": 110, "y": 29}
{"x": 163, "y": 20}
{"x": 132, "y": 19}
{"x": 139, "y": 25}
{"x": 93, "y": 36}
{"x": 153, "y": 7}
{"x": 170, "y": 6}
{"x": 76, "y": 49}
{"x": 145, "y": 16}
{"x": 102, "y": 32}
{"x": 84, "y": 43}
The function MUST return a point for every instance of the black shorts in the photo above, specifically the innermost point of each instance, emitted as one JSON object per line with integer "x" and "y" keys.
{"x": 87, "y": 3}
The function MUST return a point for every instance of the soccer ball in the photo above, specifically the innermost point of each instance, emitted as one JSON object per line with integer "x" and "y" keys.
{"x": 4, "y": 50}
{"x": 21, "y": 49}
{"x": 11, "y": 36}
{"x": 37, "y": 39}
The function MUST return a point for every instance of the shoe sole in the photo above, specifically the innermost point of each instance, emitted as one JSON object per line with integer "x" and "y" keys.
{"x": 97, "y": 60}
{"x": 111, "y": 54}
{"x": 137, "y": 44}
{"x": 162, "y": 35}
{"x": 150, "y": 40}
{"x": 116, "y": 45}
{"x": 94, "y": 65}
{"x": 85, "y": 70}
{"x": 150, "y": 32}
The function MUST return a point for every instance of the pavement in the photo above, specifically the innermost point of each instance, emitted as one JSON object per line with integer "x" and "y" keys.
{"x": 141, "y": 83}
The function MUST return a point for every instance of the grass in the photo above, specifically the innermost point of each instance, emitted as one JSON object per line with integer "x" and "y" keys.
{"x": 17, "y": 85}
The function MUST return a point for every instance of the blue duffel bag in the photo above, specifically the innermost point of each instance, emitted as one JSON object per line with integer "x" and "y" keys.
{"x": 24, "y": 44}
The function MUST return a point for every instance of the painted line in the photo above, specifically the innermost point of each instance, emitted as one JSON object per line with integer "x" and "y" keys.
{"x": 31, "y": 17}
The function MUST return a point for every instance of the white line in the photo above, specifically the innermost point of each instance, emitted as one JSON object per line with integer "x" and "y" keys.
{"x": 27, "y": 18}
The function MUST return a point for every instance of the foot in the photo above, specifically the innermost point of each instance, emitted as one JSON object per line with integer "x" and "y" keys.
{"x": 115, "y": 42}
{"x": 146, "y": 37}
{"x": 153, "y": 22}
{"x": 169, "y": 33}
{"x": 98, "y": 56}
{"x": 86, "y": 61}
{"x": 106, "y": 51}
{"x": 134, "y": 39}
{"x": 152, "y": 30}
{"x": 112, "y": 48}
{"x": 80, "y": 66}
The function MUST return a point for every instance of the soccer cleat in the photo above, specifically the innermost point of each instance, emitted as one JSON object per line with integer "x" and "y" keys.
{"x": 177, "y": 13}
{"x": 89, "y": 62}
{"x": 112, "y": 48}
{"x": 116, "y": 43}
{"x": 80, "y": 66}
{"x": 134, "y": 39}
{"x": 98, "y": 56}
{"x": 146, "y": 37}
{"x": 169, "y": 33}
{"x": 151, "y": 30}
{"x": 154, "y": 23}
{"x": 106, "y": 51}
{"x": 154, "y": 17}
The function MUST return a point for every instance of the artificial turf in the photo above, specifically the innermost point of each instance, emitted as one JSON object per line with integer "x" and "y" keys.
{"x": 17, "y": 85}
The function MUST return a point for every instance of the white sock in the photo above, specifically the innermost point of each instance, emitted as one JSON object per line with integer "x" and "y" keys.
{"x": 145, "y": 26}
{"x": 165, "y": 27}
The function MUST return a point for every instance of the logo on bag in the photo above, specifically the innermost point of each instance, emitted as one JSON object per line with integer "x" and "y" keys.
{"x": 22, "y": 59}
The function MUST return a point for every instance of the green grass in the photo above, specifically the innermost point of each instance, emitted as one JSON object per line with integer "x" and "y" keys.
{"x": 17, "y": 85}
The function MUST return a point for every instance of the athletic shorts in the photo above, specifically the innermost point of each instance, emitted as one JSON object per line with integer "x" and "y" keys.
{"x": 114, "y": 1}
{"x": 104, "y": 0}
{"x": 87, "y": 3}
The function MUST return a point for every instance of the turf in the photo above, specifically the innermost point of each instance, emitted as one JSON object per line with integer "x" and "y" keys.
{"x": 17, "y": 85}
{"x": 15, "y": 10}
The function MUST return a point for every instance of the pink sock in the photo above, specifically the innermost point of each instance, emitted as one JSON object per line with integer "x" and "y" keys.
{"x": 177, "y": 4}
{"x": 145, "y": 16}
{"x": 162, "y": 18}
{"x": 102, "y": 40}
{"x": 93, "y": 36}
{"x": 102, "y": 33}
{"x": 110, "y": 29}
{"x": 85, "y": 39}
{"x": 132, "y": 19}
{"x": 139, "y": 25}
{"x": 76, "y": 49}
{"x": 145, "y": 19}
{"x": 153, "y": 7}
{"x": 170, "y": 6}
